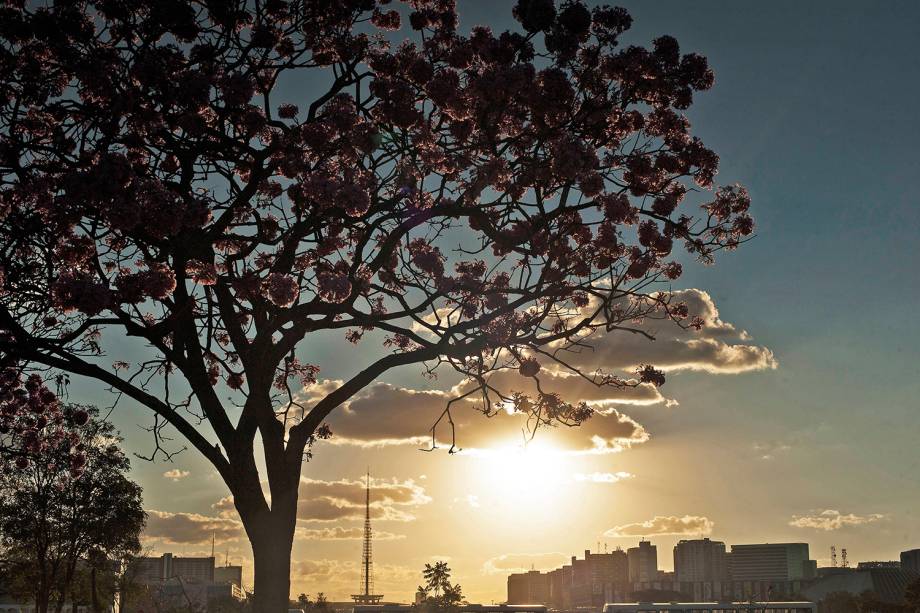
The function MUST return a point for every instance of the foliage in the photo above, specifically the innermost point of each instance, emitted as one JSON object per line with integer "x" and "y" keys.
{"x": 74, "y": 527}
{"x": 477, "y": 202}
{"x": 34, "y": 425}
{"x": 438, "y": 593}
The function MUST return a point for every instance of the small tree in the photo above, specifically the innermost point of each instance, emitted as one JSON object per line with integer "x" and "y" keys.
{"x": 479, "y": 202}
{"x": 438, "y": 593}
{"x": 53, "y": 525}
{"x": 304, "y": 602}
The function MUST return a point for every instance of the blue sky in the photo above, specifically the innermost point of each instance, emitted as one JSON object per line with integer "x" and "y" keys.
{"x": 815, "y": 110}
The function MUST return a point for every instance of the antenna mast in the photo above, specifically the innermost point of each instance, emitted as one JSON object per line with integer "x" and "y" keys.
{"x": 367, "y": 582}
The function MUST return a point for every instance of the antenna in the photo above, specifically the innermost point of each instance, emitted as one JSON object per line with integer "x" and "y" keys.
{"x": 843, "y": 556}
{"x": 212, "y": 544}
{"x": 834, "y": 556}
{"x": 367, "y": 581}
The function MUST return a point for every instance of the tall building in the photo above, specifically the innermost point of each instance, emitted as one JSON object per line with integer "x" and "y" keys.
{"x": 589, "y": 583}
{"x": 910, "y": 560}
{"x": 642, "y": 562}
{"x": 531, "y": 587}
{"x": 700, "y": 560}
{"x": 770, "y": 562}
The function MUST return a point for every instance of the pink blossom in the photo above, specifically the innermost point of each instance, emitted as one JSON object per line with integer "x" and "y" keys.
{"x": 203, "y": 273}
{"x": 79, "y": 291}
{"x": 281, "y": 290}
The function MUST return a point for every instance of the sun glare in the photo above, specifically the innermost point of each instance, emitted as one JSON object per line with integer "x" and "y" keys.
{"x": 515, "y": 475}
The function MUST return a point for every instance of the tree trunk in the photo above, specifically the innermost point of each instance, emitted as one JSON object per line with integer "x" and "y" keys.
{"x": 272, "y": 537}
{"x": 271, "y": 534}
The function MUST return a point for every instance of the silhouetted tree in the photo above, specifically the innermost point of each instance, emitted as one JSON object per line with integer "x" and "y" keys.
{"x": 304, "y": 602}
{"x": 51, "y": 525}
{"x": 438, "y": 594}
{"x": 479, "y": 202}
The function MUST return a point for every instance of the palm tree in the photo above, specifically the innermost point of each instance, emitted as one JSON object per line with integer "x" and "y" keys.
{"x": 437, "y": 577}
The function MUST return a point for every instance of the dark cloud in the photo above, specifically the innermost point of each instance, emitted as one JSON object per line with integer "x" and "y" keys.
{"x": 190, "y": 528}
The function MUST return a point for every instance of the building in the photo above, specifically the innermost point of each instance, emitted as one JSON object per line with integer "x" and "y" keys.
{"x": 878, "y": 564}
{"x": 229, "y": 574}
{"x": 148, "y": 570}
{"x": 591, "y": 582}
{"x": 700, "y": 560}
{"x": 531, "y": 587}
{"x": 910, "y": 560}
{"x": 771, "y": 562}
{"x": 886, "y": 583}
{"x": 169, "y": 580}
{"x": 642, "y": 562}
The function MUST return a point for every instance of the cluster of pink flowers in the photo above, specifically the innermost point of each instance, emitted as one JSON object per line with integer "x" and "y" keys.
{"x": 32, "y": 420}
{"x": 281, "y": 290}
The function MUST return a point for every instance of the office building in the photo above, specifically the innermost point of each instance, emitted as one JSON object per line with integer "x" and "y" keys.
{"x": 910, "y": 560}
{"x": 642, "y": 562}
{"x": 771, "y": 562}
{"x": 700, "y": 560}
{"x": 147, "y": 570}
{"x": 531, "y": 587}
{"x": 229, "y": 574}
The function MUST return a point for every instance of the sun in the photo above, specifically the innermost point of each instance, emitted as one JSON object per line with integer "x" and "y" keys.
{"x": 534, "y": 475}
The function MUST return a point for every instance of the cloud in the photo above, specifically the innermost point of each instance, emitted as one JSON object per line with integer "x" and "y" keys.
{"x": 385, "y": 414}
{"x": 176, "y": 475}
{"x": 688, "y": 525}
{"x": 522, "y": 562}
{"x": 831, "y": 519}
{"x": 341, "y": 533}
{"x": 190, "y": 528}
{"x": 343, "y": 499}
{"x": 339, "y": 578}
{"x": 718, "y": 348}
{"x": 768, "y": 450}
{"x": 602, "y": 477}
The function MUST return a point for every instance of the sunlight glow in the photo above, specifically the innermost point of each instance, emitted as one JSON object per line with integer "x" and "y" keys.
{"x": 510, "y": 478}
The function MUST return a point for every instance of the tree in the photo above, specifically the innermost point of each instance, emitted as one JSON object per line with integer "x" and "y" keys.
{"x": 304, "y": 602}
{"x": 72, "y": 525}
{"x": 476, "y": 202}
{"x": 439, "y": 594}
{"x": 437, "y": 577}
{"x": 33, "y": 421}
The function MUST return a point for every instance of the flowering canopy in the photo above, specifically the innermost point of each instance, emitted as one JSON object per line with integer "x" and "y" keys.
{"x": 35, "y": 426}
{"x": 484, "y": 200}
